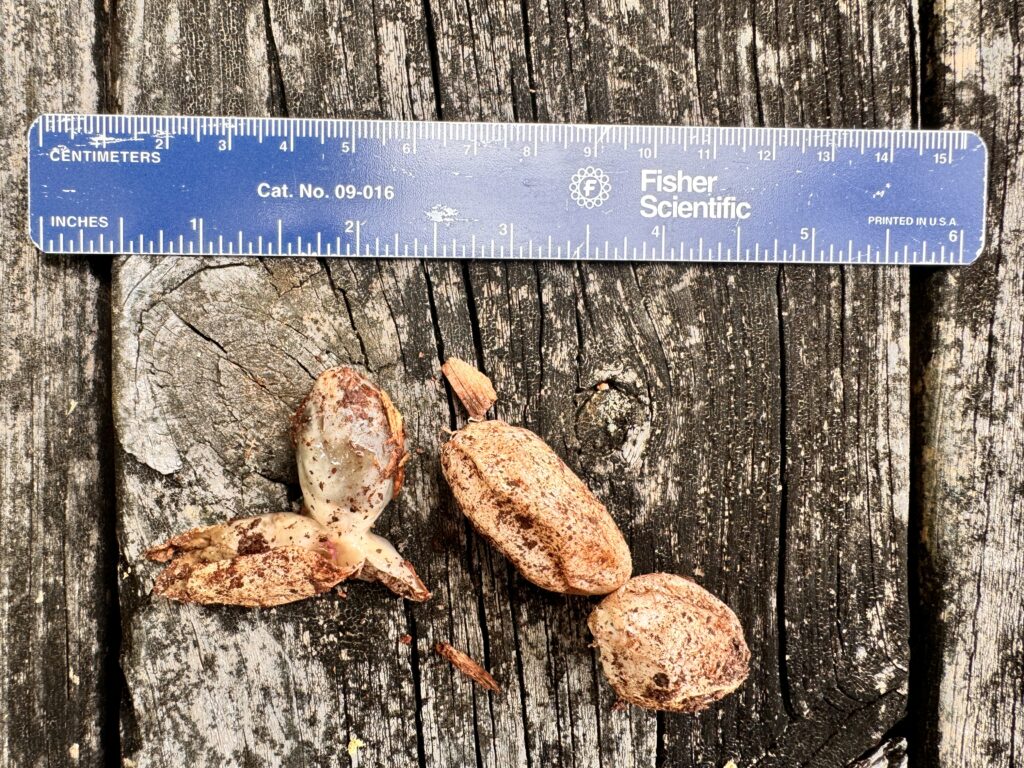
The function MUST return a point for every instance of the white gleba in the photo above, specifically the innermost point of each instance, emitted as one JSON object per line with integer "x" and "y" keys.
{"x": 350, "y": 448}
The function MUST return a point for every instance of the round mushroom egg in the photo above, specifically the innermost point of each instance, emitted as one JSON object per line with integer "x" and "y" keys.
{"x": 667, "y": 643}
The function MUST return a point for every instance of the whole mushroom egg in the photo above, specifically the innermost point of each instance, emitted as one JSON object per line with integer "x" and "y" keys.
{"x": 667, "y": 643}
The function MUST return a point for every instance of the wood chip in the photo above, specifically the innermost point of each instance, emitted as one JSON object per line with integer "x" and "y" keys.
{"x": 468, "y": 667}
{"x": 474, "y": 390}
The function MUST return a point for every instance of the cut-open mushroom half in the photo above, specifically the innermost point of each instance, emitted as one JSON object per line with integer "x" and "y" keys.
{"x": 350, "y": 449}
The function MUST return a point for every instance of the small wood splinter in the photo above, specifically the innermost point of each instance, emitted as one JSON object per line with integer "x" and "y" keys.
{"x": 474, "y": 389}
{"x": 468, "y": 667}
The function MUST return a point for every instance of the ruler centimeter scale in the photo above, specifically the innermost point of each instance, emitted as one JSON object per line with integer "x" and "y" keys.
{"x": 252, "y": 186}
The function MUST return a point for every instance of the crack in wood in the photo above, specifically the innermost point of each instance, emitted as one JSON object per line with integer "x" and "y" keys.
{"x": 781, "y": 573}
{"x": 277, "y": 96}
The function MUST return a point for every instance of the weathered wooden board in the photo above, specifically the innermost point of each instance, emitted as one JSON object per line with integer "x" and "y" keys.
{"x": 56, "y": 496}
{"x": 753, "y": 433}
{"x": 890, "y": 754}
{"x": 972, "y": 419}
{"x": 202, "y": 399}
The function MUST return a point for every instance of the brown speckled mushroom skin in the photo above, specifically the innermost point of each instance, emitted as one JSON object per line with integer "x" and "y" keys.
{"x": 523, "y": 499}
{"x": 474, "y": 390}
{"x": 255, "y": 561}
{"x": 667, "y": 643}
{"x": 276, "y": 577}
{"x": 468, "y": 666}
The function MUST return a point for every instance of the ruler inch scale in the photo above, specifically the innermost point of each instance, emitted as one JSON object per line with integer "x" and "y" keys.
{"x": 259, "y": 186}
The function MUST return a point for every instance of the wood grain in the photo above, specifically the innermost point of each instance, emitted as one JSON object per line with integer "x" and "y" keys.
{"x": 752, "y": 433}
{"x": 56, "y": 498}
{"x": 972, "y": 418}
{"x": 890, "y": 754}
{"x": 696, "y": 388}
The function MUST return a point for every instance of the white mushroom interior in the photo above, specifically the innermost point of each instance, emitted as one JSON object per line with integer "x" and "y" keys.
{"x": 342, "y": 454}
{"x": 350, "y": 449}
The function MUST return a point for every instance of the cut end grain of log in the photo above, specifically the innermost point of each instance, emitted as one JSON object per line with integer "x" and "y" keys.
{"x": 474, "y": 389}
{"x": 468, "y": 667}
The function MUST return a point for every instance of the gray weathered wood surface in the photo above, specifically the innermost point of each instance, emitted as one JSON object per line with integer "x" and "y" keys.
{"x": 56, "y": 504}
{"x": 972, "y": 420}
{"x": 890, "y": 754}
{"x": 755, "y": 433}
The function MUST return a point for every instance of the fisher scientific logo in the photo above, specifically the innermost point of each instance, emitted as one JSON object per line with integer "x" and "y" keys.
{"x": 590, "y": 187}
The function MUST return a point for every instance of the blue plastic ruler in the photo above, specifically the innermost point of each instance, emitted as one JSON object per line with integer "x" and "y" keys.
{"x": 105, "y": 184}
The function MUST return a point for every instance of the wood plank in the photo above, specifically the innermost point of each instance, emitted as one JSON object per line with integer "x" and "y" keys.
{"x": 57, "y": 557}
{"x": 707, "y": 423}
{"x": 890, "y": 754}
{"x": 675, "y": 445}
{"x": 972, "y": 443}
{"x": 208, "y": 438}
